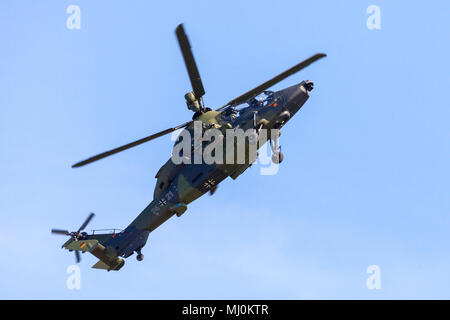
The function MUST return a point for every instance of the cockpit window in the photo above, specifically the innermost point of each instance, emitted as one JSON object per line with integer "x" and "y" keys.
{"x": 266, "y": 97}
{"x": 261, "y": 100}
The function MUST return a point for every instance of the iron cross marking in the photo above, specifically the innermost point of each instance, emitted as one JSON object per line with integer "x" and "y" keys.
{"x": 209, "y": 184}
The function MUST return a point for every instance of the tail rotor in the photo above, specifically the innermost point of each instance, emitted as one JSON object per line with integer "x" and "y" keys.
{"x": 75, "y": 235}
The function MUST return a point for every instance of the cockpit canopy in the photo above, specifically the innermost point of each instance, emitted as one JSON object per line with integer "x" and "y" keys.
{"x": 261, "y": 100}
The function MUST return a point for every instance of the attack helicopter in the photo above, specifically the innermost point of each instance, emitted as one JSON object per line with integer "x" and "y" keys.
{"x": 178, "y": 184}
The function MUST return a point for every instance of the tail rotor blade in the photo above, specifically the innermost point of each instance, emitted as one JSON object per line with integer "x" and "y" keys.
{"x": 189, "y": 61}
{"x": 77, "y": 256}
{"x": 59, "y": 231}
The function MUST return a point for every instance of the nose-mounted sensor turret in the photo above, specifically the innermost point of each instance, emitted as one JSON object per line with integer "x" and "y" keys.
{"x": 309, "y": 85}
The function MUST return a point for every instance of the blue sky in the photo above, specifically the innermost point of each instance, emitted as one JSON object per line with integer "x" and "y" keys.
{"x": 365, "y": 180}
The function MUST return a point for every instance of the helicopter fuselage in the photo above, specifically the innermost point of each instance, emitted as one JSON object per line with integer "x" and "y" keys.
{"x": 179, "y": 185}
{"x": 245, "y": 124}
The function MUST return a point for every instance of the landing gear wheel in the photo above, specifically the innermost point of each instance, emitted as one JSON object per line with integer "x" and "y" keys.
{"x": 277, "y": 157}
{"x": 139, "y": 256}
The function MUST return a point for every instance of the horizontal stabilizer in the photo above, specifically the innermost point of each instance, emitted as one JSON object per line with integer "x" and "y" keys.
{"x": 115, "y": 265}
{"x": 100, "y": 265}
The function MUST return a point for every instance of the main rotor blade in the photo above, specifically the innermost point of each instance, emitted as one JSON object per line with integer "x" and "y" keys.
{"x": 189, "y": 61}
{"x": 266, "y": 85}
{"x": 88, "y": 219}
{"x": 59, "y": 231}
{"x": 128, "y": 146}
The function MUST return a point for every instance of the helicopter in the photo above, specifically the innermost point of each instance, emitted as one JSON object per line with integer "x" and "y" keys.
{"x": 180, "y": 183}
